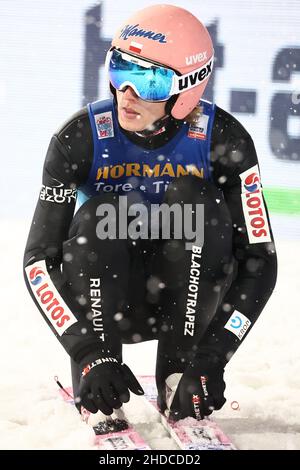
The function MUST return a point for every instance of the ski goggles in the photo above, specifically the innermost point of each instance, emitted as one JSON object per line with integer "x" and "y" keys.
{"x": 151, "y": 81}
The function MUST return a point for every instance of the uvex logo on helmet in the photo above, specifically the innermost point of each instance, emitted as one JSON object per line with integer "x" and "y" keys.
{"x": 252, "y": 182}
{"x": 195, "y": 58}
{"x": 133, "y": 30}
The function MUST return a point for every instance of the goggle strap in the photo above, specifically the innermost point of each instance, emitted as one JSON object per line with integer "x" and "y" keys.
{"x": 192, "y": 79}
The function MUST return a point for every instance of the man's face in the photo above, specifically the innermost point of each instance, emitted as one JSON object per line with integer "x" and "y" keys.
{"x": 135, "y": 114}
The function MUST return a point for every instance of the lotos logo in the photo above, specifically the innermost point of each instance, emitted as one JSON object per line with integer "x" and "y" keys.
{"x": 133, "y": 30}
{"x": 256, "y": 220}
{"x": 252, "y": 182}
{"x": 49, "y": 299}
{"x": 34, "y": 276}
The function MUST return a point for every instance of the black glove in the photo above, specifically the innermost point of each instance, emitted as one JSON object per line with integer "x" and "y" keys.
{"x": 200, "y": 390}
{"x": 105, "y": 384}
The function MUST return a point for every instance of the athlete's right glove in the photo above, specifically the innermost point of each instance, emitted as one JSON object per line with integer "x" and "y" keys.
{"x": 105, "y": 385}
{"x": 198, "y": 391}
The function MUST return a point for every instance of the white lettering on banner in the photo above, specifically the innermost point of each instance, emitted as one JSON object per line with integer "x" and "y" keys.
{"x": 96, "y": 305}
{"x": 189, "y": 325}
{"x": 238, "y": 324}
{"x": 253, "y": 206}
{"x": 54, "y": 307}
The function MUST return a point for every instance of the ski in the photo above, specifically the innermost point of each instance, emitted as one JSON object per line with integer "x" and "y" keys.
{"x": 188, "y": 433}
{"x": 117, "y": 433}
{"x": 112, "y": 433}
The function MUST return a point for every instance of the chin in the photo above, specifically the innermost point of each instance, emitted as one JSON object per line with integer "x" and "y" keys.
{"x": 131, "y": 126}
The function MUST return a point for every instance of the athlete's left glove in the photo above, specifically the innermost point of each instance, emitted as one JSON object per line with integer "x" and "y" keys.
{"x": 200, "y": 389}
{"x": 105, "y": 385}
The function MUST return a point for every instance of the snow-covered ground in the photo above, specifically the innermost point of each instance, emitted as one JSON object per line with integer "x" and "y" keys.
{"x": 263, "y": 376}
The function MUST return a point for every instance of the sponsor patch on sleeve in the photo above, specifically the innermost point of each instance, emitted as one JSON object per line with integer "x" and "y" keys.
{"x": 238, "y": 324}
{"x": 104, "y": 125}
{"x": 58, "y": 193}
{"x": 52, "y": 304}
{"x": 256, "y": 220}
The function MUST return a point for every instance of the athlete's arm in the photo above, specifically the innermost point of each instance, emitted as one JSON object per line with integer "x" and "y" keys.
{"x": 66, "y": 166}
{"x": 235, "y": 170}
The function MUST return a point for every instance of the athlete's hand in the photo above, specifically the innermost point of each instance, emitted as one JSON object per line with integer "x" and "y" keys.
{"x": 200, "y": 390}
{"x": 105, "y": 385}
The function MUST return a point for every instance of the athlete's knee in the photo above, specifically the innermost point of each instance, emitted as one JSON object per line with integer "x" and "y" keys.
{"x": 88, "y": 215}
{"x": 191, "y": 189}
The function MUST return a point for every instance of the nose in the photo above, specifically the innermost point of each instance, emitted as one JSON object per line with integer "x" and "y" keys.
{"x": 129, "y": 93}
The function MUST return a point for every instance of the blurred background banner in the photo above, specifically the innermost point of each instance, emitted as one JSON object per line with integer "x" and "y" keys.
{"x": 52, "y": 56}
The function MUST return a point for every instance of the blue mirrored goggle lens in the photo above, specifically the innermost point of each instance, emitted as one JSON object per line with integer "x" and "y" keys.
{"x": 153, "y": 83}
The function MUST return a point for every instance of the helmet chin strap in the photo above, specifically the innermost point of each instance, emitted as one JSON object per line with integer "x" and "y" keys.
{"x": 161, "y": 124}
{"x": 157, "y": 127}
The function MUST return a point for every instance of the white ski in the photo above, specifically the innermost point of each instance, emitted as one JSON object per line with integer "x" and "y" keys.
{"x": 111, "y": 433}
{"x": 188, "y": 433}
